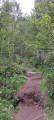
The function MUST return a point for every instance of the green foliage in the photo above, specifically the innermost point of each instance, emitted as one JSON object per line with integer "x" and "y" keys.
{"x": 8, "y": 13}
{"x": 29, "y": 66}
{"x": 50, "y": 85}
{"x": 5, "y": 110}
{"x": 7, "y": 71}
{"x": 19, "y": 59}
{"x": 11, "y": 70}
{"x": 12, "y": 85}
{"x": 11, "y": 80}
{"x": 36, "y": 61}
{"x": 33, "y": 60}
{"x": 50, "y": 114}
{"x": 51, "y": 60}
{"x": 47, "y": 87}
{"x": 25, "y": 36}
{"x": 47, "y": 84}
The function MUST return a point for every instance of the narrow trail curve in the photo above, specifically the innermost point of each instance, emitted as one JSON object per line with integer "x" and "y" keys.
{"x": 30, "y": 99}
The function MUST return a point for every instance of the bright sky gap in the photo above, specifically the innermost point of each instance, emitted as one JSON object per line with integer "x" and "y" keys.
{"x": 26, "y": 5}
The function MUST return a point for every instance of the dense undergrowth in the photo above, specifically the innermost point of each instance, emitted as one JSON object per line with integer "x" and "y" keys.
{"x": 12, "y": 77}
{"x": 47, "y": 87}
{"x": 11, "y": 80}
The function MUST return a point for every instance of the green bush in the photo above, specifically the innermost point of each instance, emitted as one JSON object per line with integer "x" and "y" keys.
{"x": 50, "y": 85}
{"x": 10, "y": 71}
{"x": 11, "y": 80}
{"x": 7, "y": 71}
{"x": 18, "y": 59}
{"x": 12, "y": 84}
{"x": 5, "y": 110}
{"x": 49, "y": 61}
{"x": 36, "y": 61}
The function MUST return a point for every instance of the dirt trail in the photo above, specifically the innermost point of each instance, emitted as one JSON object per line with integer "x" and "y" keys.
{"x": 30, "y": 99}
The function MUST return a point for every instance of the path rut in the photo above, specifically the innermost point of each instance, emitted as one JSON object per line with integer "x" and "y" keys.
{"x": 30, "y": 99}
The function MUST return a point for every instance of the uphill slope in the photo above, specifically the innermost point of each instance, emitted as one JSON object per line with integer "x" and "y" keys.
{"x": 30, "y": 99}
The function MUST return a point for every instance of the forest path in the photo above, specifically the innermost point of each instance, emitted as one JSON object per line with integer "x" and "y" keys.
{"x": 30, "y": 99}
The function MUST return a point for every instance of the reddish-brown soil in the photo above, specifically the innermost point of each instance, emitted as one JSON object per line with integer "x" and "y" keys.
{"x": 30, "y": 99}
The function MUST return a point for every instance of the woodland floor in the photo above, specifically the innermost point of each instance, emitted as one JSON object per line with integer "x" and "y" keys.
{"x": 30, "y": 99}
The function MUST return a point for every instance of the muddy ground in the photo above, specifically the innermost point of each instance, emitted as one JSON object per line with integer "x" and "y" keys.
{"x": 30, "y": 99}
